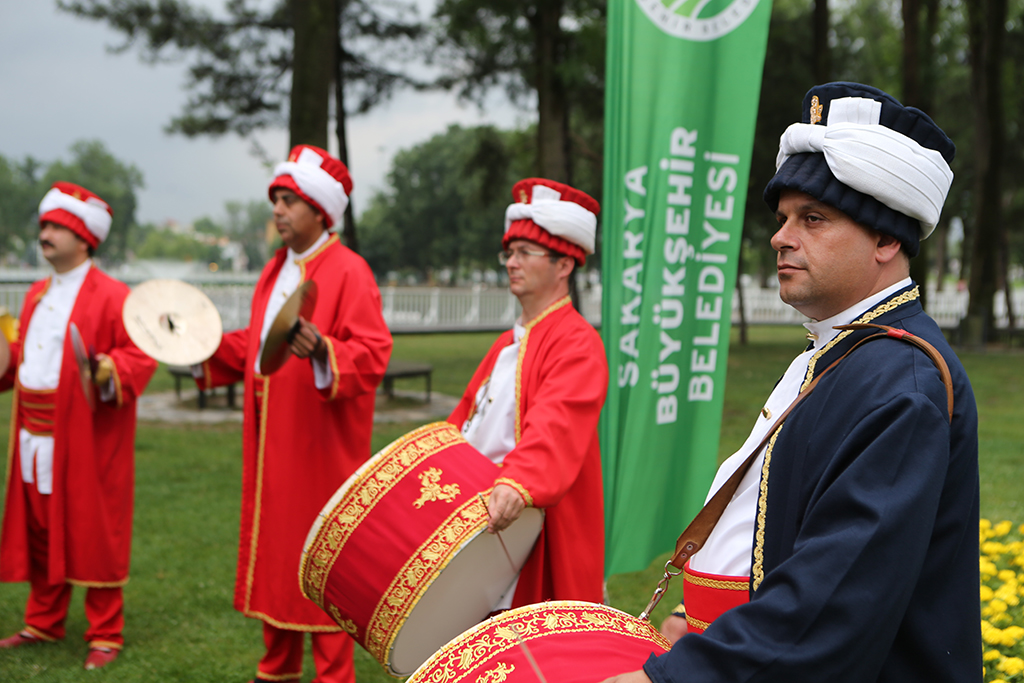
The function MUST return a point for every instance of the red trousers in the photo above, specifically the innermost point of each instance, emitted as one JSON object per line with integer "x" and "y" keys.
{"x": 47, "y": 607}
{"x": 332, "y": 654}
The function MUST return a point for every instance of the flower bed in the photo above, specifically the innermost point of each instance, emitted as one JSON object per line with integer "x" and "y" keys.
{"x": 1002, "y": 614}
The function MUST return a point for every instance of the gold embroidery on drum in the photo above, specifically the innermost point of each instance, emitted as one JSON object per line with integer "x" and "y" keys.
{"x": 433, "y": 490}
{"x": 498, "y": 674}
{"x": 347, "y": 625}
{"x": 456, "y": 660}
{"x": 381, "y": 475}
{"x": 412, "y": 581}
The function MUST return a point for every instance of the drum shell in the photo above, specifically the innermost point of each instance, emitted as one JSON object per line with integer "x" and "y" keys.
{"x": 570, "y": 642}
{"x": 391, "y": 529}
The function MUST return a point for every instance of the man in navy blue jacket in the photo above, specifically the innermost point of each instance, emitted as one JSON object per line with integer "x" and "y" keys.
{"x": 857, "y": 524}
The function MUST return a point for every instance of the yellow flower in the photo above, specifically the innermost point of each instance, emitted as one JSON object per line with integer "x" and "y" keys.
{"x": 1011, "y": 666}
{"x": 993, "y": 548}
{"x": 984, "y": 524}
{"x": 995, "y": 607}
{"x": 1004, "y": 527}
{"x": 986, "y": 593}
{"x": 987, "y": 566}
{"x": 990, "y": 655}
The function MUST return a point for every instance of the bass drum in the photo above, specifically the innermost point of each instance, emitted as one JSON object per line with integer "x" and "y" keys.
{"x": 567, "y": 641}
{"x": 399, "y": 557}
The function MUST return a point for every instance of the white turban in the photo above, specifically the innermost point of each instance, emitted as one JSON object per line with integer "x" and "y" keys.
{"x": 875, "y": 160}
{"x": 567, "y": 220}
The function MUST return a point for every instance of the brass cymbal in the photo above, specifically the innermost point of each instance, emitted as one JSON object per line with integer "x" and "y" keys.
{"x": 172, "y": 322}
{"x": 84, "y": 365}
{"x": 8, "y": 333}
{"x": 276, "y": 348}
{"x": 5, "y": 354}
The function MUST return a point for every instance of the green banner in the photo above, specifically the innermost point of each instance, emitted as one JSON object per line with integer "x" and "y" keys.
{"x": 683, "y": 81}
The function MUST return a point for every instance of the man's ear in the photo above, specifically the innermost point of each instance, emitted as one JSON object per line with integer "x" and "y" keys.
{"x": 886, "y": 248}
{"x": 566, "y": 265}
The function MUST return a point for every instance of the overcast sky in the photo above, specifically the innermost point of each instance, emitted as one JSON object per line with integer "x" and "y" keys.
{"x": 59, "y": 84}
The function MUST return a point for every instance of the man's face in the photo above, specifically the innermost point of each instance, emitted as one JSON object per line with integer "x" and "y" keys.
{"x": 298, "y": 223}
{"x": 61, "y": 247}
{"x": 528, "y": 272}
{"x": 827, "y": 262}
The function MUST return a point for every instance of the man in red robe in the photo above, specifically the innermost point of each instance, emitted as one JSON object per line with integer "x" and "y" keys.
{"x": 534, "y": 402}
{"x": 307, "y": 426}
{"x": 70, "y": 469}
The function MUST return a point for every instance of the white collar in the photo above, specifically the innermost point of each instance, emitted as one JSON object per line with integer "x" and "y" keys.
{"x": 75, "y": 276}
{"x": 324, "y": 236}
{"x": 822, "y": 330}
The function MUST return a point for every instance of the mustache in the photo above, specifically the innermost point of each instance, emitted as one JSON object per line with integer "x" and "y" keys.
{"x": 46, "y": 243}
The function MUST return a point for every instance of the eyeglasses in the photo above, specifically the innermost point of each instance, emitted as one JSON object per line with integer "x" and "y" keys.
{"x": 505, "y": 256}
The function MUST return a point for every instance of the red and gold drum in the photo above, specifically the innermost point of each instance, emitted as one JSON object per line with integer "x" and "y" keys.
{"x": 399, "y": 557}
{"x": 568, "y": 641}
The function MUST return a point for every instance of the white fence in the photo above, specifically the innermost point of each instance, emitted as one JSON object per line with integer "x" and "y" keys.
{"x": 448, "y": 309}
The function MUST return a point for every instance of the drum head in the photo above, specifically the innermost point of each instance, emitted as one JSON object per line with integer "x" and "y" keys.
{"x": 465, "y": 592}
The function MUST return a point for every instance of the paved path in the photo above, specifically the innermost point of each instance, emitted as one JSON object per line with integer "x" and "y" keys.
{"x": 165, "y": 407}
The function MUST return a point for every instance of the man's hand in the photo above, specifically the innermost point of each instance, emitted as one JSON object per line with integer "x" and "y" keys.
{"x": 674, "y": 627}
{"x": 505, "y": 506}
{"x": 308, "y": 342}
{"x": 104, "y": 369}
{"x": 631, "y": 677}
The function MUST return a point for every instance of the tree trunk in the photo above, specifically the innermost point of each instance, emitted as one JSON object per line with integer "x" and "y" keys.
{"x": 552, "y": 107}
{"x": 822, "y": 53}
{"x": 986, "y": 26}
{"x": 912, "y": 92}
{"x": 348, "y": 232}
{"x": 312, "y": 71}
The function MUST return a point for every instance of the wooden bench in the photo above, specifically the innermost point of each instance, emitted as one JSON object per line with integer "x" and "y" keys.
{"x": 404, "y": 368}
{"x": 180, "y": 372}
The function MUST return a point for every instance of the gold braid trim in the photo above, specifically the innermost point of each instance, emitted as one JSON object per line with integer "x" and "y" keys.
{"x": 757, "y": 571}
{"x": 697, "y": 623}
{"x": 889, "y": 305}
{"x": 259, "y": 382}
{"x": 522, "y": 354}
{"x": 718, "y": 584}
{"x": 527, "y": 498}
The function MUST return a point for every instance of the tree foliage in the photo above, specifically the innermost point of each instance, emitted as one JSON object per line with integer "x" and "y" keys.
{"x": 240, "y": 76}
{"x": 544, "y": 53}
{"x": 445, "y": 202}
{"x": 23, "y": 184}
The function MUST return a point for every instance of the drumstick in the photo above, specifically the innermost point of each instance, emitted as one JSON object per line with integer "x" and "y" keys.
{"x": 526, "y": 650}
{"x": 498, "y": 534}
{"x": 529, "y": 656}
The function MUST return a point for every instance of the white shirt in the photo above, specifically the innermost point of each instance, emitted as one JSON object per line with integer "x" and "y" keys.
{"x": 492, "y": 429}
{"x": 728, "y": 548}
{"x": 288, "y": 280}
{"x": 42, "y": 356}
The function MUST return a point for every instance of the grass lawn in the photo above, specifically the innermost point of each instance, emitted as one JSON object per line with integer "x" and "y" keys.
{"x": 180, "y": 622}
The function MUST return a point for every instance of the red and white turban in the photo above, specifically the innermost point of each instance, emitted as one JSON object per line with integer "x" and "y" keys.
{"x": 318, "y": 178}
{"x": 77, "y": 209}
{"x": 553, "y": 215}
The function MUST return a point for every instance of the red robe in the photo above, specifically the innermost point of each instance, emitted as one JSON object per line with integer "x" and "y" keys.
{"x": 556, "y": 464}
{"x": 305, "y": 442}
{"x": 93, "y": 453}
